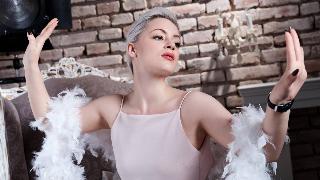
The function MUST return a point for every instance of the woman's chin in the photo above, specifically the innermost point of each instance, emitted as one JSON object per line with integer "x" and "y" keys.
{"x": 165, "y": 72}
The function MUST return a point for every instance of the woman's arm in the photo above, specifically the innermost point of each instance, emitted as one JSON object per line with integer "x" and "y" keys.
{"x": 216, "y": 120}
{"x": 275, "y": 124}
{"x": 37, "y": 93}
{"x": 90, "y": 116}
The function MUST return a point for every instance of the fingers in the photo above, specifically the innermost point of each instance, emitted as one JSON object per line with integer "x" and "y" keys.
{"x": 297, "y": 46}
{"x": 291, "y": 78}
{"x": 30, "y": 37}
{"x": 291, "y": 54}
{"x": 47, "y": 31}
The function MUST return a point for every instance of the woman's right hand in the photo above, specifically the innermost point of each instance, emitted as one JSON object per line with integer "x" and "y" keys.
{"x": 32, "y": 53}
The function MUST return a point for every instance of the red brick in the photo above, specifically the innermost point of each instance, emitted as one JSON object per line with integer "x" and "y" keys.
{"x": 213, "y": 76}
{"x": 76, "y": 25}
{"x": 73, "y": 51}
{"x": 309, "y": 8}
{"x": 274, "y": 55}
{"x": 242, "y": 4}
{"x": 121, "y": 72}
{"x": 198, "y": 37}
{"x": 54, "y": 54}
{"x": 276, "y": 2}
{"x": 180, "y": 66}
{"x": 96, "y": 21}
{"x": 208, "y": 48}
{"x": 5, "y": 64}
{"x": 81, "y": 11}
{"x": 125, "y": 30}
{"x": 299, "y": 24}
{"x": 264, "y": 42}
{"x": 5, "y": 56}
{"x": 188, "y": 10}
{"x": 4, "y": 73}
{"x": 188, "y": 50}
{"x": 223, "y": 5}
{"x": 218, "y": 90}
{"x": 207, "y": 21}
{"x": 123, "y": 18}
{"x": 317, "y": 22}
{"x": 97, "y": 48}
{"x": 234, "y": 101}
{"x": 312, "y": 65}
{"x": 75, "y": 38}
{"x": 310, "y": 38}
{"x": 154, "y": 3}
{"x": 108, "y": 7}
{"x": 137, "y": 14}
{"x": 248, "y": 58}
{"x": 102, "y": 60}
{"x": 315, "y": 51}
{"x": 187, "y": 24}
{"x": 112, "y": 33}
{"x": 129, "y": 5}
{"x": 119, "y": 46}
{"x": 202, "y": 64}
{"x": 77, "y": 1}
{"x": 277, "y": 12}
{"x": 183, "y": 80}
{"x": 252, "y": 72}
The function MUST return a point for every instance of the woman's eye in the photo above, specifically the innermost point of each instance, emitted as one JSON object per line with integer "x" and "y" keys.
{"x": 158, "y": 37}
{"x": 177, "y": 44}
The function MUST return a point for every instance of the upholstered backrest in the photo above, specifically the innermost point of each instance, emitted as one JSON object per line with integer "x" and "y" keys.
{"x": 16, "y": 168}
{"x": 94, "y": 86}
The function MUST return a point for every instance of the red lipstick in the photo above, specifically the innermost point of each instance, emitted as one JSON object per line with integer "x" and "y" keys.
{"x": 168, "y": 56}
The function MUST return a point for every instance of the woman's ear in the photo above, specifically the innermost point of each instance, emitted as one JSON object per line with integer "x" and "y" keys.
{"x": 131, "y": 50}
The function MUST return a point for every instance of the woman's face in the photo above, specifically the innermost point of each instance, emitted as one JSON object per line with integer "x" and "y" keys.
{"x": 157, "y": 48}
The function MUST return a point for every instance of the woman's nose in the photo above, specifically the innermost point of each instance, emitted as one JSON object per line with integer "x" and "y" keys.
{"x": 170, "y": 45}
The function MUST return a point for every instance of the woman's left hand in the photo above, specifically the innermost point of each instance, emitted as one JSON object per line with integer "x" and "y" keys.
{"x": 295, "y": 74}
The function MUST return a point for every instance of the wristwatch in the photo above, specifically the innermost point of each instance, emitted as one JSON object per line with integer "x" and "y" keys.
{"x": 279, "y": 107}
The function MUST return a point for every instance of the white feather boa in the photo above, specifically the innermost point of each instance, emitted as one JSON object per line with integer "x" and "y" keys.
{"x": 64, "y": 143}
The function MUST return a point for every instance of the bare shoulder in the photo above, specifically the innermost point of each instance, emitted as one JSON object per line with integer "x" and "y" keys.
{"x": 109, "y": 106}
{"x": 200, "y": 103}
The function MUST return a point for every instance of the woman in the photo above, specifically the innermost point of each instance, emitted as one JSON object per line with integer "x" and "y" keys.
{"x": 160, "y": 132}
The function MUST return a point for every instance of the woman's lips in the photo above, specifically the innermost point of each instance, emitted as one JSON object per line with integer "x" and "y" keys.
{"x": 168, "y": 56}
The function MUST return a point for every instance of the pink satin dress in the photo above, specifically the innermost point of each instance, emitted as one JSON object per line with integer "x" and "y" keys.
{"x": 155, "y": 147}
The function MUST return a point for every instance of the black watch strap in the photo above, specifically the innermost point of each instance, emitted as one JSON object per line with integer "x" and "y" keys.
{"x": 279, "y": 107}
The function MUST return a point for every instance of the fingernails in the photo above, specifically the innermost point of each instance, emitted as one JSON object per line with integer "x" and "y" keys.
{"x": 290, "y": 28}
{"x": 295, "y": 72}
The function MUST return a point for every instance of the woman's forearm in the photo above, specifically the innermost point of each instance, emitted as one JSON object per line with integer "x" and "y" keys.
{"x": 275, "y": 125}
{"x": 37, "y": 92}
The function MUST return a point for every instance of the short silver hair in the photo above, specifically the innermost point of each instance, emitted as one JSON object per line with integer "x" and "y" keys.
{"x": 138, "y": 26}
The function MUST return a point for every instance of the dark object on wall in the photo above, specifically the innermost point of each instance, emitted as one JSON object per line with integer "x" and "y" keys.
{"x": 17, "y": 17}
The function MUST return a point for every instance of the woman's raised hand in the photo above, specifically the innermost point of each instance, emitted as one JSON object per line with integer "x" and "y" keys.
{"x": 32, "y": 53}
{"x": 295, "y": 73}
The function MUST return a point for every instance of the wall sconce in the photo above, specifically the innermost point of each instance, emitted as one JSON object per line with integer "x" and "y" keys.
{"x": 232, "y": 37}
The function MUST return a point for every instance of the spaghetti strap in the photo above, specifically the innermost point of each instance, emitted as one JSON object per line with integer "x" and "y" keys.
{"x": 121, "y": 102}
{"x": 184, "y": 98}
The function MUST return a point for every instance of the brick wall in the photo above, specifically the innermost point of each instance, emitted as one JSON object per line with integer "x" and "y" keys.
{"x": 99, "y": 31}
{"x": 304, "y": 132}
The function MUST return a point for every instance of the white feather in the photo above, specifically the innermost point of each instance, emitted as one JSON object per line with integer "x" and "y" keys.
{"x": 63, "y": 143}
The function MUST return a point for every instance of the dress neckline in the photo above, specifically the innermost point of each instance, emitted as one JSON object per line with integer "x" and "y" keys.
{"x": 154, "y": 114}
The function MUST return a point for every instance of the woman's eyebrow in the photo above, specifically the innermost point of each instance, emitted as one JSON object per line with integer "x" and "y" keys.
{"x": 176, "y": 35}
